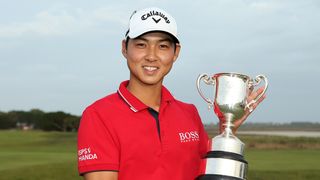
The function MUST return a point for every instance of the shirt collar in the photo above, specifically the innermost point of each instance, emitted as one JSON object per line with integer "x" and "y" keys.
{"x": 134, "y": 103}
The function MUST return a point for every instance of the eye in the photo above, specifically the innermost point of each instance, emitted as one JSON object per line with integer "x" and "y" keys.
{"x": 164, "y": 46}
{"x": 140, "y": 45}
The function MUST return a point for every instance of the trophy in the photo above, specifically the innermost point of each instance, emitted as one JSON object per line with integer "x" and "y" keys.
{"x": 225, "y": 159}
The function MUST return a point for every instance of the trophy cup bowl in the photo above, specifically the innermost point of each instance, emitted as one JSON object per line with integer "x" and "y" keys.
{"x": 225, "y": 159}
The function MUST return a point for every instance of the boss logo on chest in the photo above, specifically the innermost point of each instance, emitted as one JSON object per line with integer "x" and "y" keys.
{"x": 189, "y": 136}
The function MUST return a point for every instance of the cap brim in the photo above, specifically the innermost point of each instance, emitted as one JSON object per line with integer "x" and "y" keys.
{"x": 135, "y": 35}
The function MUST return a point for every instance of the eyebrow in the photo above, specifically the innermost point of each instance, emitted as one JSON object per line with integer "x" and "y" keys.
{"x": 161, "y": 40}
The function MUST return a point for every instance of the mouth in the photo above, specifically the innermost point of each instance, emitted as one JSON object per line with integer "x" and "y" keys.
{"x": 150, "y": 68}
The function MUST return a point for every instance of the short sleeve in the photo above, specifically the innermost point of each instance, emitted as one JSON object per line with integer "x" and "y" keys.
{"x": 98, "y": 147}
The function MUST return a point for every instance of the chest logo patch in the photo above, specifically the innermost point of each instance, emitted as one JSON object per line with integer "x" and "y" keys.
{"x": 189, "y": 136}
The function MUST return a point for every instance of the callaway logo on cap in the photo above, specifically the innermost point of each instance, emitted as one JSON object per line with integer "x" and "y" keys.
{"x": 151, "y": 19}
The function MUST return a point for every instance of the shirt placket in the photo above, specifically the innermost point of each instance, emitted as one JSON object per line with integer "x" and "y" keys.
{"x": 163, "y": 126}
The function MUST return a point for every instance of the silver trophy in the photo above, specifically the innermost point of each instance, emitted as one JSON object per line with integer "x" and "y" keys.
{"x": 225, "y": 159}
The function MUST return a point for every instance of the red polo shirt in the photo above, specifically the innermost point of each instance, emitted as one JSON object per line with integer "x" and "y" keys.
{"x": 118, "y": 133}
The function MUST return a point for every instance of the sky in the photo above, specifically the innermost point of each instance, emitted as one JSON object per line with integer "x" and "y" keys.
{"x": 64, "y": 55}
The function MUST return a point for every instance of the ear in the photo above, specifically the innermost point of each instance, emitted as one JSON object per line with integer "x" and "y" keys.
{"x": 177, "y": 52}
{"x": 124, "y": 48}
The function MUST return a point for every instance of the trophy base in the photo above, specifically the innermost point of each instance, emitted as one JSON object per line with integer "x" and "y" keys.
{"x": 226, "y": 155}
{"x": 222, "y": 165}
{"x": 216, "y": 177}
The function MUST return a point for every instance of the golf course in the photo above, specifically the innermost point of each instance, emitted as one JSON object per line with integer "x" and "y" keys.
{"x": 39, "y": 155}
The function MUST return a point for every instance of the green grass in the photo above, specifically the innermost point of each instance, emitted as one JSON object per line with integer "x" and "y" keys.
{"x": 283, "y": 160}
{"x": 284, "y": 175}
{"x": 27, "y": 155}
{"x": 37, "y": 155}
{"x": 283, "y": 164}
{"x": 46, "y": 171}
{"x": 280, "y": 142}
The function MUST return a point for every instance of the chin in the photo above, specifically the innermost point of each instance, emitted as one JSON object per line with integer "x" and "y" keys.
{"x": 152, "y": 81}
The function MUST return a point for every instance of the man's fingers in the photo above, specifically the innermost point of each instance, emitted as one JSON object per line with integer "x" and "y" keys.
{"x": 255, "y": 94}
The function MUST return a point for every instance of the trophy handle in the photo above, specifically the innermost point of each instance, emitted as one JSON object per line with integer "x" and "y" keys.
{"x": 257, "y": 82}
{"x": 209, "y": 81}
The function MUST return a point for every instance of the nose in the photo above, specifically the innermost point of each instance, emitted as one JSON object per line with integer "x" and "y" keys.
{"x": 151, "y": 54}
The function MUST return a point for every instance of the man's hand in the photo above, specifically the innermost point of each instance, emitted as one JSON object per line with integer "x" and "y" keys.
{"x": 252, "y": 96}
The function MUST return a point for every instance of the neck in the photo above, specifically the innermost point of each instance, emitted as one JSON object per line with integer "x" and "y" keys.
{"x": 150, "y": 95}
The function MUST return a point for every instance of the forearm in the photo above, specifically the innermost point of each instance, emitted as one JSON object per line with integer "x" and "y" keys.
{"x": 101, "y": 175}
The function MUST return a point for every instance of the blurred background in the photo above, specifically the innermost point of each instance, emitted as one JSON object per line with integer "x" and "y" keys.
{"x": 56, "y": 58}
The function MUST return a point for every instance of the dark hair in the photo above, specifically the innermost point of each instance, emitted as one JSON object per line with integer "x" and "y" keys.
{"x": 127, "y": 41}
{"x": 174, "y": 40}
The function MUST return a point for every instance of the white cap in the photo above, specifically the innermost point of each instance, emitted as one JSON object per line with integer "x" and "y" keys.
{"x": 151, "y": 19}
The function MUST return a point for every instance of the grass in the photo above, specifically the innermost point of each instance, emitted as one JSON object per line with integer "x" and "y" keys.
{"x": 283, "y": 160}
{"x": 27, "y": 155}
{"x": 45, "y": 171}
{"x": 37, "y": 155}
{"x": 279, "y": 142}
{"x": 283, "y": 164}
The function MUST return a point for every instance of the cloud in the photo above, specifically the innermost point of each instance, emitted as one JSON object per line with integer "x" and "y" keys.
{"x": 110, "y": 15}
{"x": 44, "y": 23}
{"x": 264, "y": 6}
{"x": 63, "y": 22}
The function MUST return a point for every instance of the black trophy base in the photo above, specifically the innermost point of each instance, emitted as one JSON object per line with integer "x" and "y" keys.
{"x": 216, "y": 177}
{"x": 222, "y": 173}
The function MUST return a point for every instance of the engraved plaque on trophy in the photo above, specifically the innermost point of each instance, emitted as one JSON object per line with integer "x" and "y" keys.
{"x": 225, "y": 160}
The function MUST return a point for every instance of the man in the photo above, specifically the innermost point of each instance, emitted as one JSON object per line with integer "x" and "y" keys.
{"x": 141, "y": 131}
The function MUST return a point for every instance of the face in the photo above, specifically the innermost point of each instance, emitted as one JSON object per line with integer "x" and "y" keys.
{"x": 150, "y": 57}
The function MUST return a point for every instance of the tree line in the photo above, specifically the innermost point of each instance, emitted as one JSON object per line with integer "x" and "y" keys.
{"x": 271, "y": 126}
{"x": 39, "y": 120}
